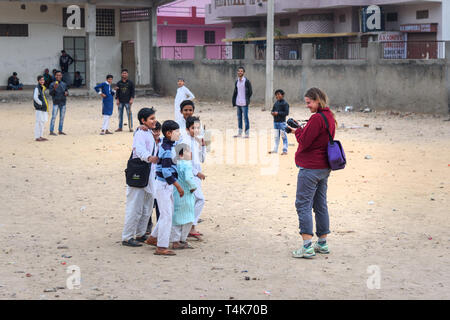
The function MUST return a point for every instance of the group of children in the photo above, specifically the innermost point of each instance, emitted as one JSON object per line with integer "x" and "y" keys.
{"x": 174, "y": 187}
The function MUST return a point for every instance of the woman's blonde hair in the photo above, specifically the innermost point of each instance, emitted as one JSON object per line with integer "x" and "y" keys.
{"x": 318, "y": 95}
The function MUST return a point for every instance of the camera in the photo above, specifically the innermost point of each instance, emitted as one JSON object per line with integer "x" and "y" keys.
{"x": 294, "y": 124}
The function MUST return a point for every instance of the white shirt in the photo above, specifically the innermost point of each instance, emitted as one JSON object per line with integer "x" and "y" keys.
{"x": 144, "y": 146}
{"x": 182, "y": 123}
{"x": 183, "y": 93}
{"x": 198, "y": 152}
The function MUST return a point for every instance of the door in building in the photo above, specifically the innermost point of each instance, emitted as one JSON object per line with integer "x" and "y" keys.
{"x": 76, "y": 48}
{"x": 128, "y": 59}
{"x": 422, "y": 46}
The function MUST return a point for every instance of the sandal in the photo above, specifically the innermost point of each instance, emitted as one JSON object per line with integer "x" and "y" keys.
{"x": 195, "y": 235}
{"x": 181, "y": 245}
{"x": 151, "y": 241}
{"x": 164, "y": 252}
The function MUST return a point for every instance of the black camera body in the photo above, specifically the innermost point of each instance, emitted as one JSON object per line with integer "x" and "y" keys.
{"x": 293, "y": 124}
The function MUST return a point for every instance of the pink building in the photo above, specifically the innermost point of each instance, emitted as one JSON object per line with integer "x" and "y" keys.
{"x": 181, "y": 27}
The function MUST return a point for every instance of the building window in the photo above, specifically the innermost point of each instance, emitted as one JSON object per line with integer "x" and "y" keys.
{"x": 66, "y": 16}
{"x": 342, "y": 18}
{"x": 285, "y": 22}
{"x": 13, "y": 30}
{"x": 210, "y": 37}
{"x": 106, "y": 26}
{"x": 392, "y": 17}
{"x": 422, "y": 14}
{"x": 181, "y": 36}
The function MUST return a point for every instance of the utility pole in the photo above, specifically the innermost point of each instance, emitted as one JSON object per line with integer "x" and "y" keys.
{"x": 269, "y": 54}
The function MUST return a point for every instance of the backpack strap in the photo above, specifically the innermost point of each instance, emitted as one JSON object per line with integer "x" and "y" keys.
{"x": 328, "y": 127}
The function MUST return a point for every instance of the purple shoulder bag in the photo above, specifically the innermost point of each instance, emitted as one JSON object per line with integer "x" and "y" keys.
{"x": 336, "y": 154}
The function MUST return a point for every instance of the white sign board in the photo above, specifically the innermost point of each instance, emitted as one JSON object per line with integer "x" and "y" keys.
{"x": 394, "y": 46}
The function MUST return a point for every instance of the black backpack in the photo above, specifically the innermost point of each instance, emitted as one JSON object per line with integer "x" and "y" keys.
{"x": 137, "y": 172}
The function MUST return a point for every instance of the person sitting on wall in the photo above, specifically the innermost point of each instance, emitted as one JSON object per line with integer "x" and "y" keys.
{"x": 47, "y": 78}
{"x": 13, "y": 83}
{"x": 78, "y": 81}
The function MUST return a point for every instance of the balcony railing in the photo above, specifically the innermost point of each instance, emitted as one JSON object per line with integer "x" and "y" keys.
{"x": 177, "y": 53}
{"x": 281, "y": 52}
{"x": 413, "y": 50}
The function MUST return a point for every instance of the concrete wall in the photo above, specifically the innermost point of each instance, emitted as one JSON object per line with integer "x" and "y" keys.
{"x": 407, "y": 85}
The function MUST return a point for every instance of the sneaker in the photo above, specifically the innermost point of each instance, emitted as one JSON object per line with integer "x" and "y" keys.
{"x": 237, "y": 136}
{"x": 131, "y": 243}
{"x": 321, "y": 248}
{"x": 62, "y": 133}
{"x": 303, "y": 252}
{"x": 118, "y": 130}
{"x": 52, "y": 133}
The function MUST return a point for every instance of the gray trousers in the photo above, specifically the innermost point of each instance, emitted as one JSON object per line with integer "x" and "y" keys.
{"x": 180, "y": 233}
{"x": 312, "y": 194}
{"x": 137, "y": 213}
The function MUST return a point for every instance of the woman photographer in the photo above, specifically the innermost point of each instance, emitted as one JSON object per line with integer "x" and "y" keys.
{"x": 311, "y": 158}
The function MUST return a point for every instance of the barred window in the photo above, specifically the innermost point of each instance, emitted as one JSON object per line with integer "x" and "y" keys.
{"x": 422, "y": 14}
{"x": 181, "y": 36}
{"x": 210, "y": 37}
{"x": 285, "y": 22}
{"x": 13, "y": 30}
{"x": 105, "y": 23}
{"x": 392, "y": 17}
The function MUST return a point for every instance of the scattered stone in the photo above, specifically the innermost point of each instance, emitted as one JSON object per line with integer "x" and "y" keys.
{"x": 378, "y": 128}
{"x": 247, "y": 278}
{"x": 366, "y": 126}
{"x": 50, "y": 290}
{"x": 368, "y": 157}
{"x": 62, "y": 247}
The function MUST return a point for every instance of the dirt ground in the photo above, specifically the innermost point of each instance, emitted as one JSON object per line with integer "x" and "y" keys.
{"x": 388, "y": 213}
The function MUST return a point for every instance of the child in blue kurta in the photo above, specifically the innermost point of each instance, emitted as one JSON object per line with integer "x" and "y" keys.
{"x": 183, "y": 215}
{"x": 107, "y": 92}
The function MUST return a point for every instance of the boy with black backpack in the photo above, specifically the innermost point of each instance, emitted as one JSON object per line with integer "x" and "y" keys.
{"x": 140, "y": 200}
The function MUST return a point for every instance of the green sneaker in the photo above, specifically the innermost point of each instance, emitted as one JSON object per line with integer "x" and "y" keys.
{"x": 303, "y": 252}
{"x": 321, "y": 248}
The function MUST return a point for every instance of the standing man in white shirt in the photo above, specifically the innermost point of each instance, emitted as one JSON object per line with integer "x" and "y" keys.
{"x": 241, "y": 100}
{"x": 183, "y": 93}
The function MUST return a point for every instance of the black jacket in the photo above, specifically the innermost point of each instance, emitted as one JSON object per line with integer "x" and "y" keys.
{"x": 58, "y": 94}
{"x": 37, "y": 106}
{"x": 282, "y": 107}
{"x": 125, "y": 91}
{"x": 248, "y": 92}
{"x": 64, "y": 62}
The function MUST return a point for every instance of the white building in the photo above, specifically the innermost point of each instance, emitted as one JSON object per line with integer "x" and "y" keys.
{"x": 33, "y": 33}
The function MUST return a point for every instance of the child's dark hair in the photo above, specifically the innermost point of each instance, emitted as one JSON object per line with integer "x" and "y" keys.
{"x": 109, "y": 76}
{"x": 191, "y": 120}
{"x": 157, "y": 126}
{"x": 280, "y": 92}
{"x": 169, "y": 125}
{"x": 144, "y": 113}
{"x": 125, "y": 70}
{"x": 187, "y": 103}
{"x": 39, "y": 77}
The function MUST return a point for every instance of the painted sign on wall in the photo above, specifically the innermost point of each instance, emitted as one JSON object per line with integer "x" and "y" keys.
{"x": 372, "y": 19}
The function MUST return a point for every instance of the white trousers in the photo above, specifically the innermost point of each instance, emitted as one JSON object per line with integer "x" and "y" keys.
{"x": 163, "y": 228}
{"x": 199, "y": 200}
{"x": 105, "y": 124}
{"x": 137, "y": 213}
{"x": 41, "y": 119}
{"x": 180, "y": 233}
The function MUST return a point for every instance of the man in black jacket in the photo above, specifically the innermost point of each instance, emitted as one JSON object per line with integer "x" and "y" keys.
{"x": 279, "y": 112}
{"x": 241, "y": 100}
{"x": 59, "y": 93}
{"x": 125, "y": 97}
{"x": 64, "y": 62}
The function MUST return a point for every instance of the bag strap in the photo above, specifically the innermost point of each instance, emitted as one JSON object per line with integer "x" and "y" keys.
{"x": 328, "y": 127}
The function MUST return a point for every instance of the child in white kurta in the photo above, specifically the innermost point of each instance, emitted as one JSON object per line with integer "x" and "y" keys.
{"x": 183, "y": 93}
